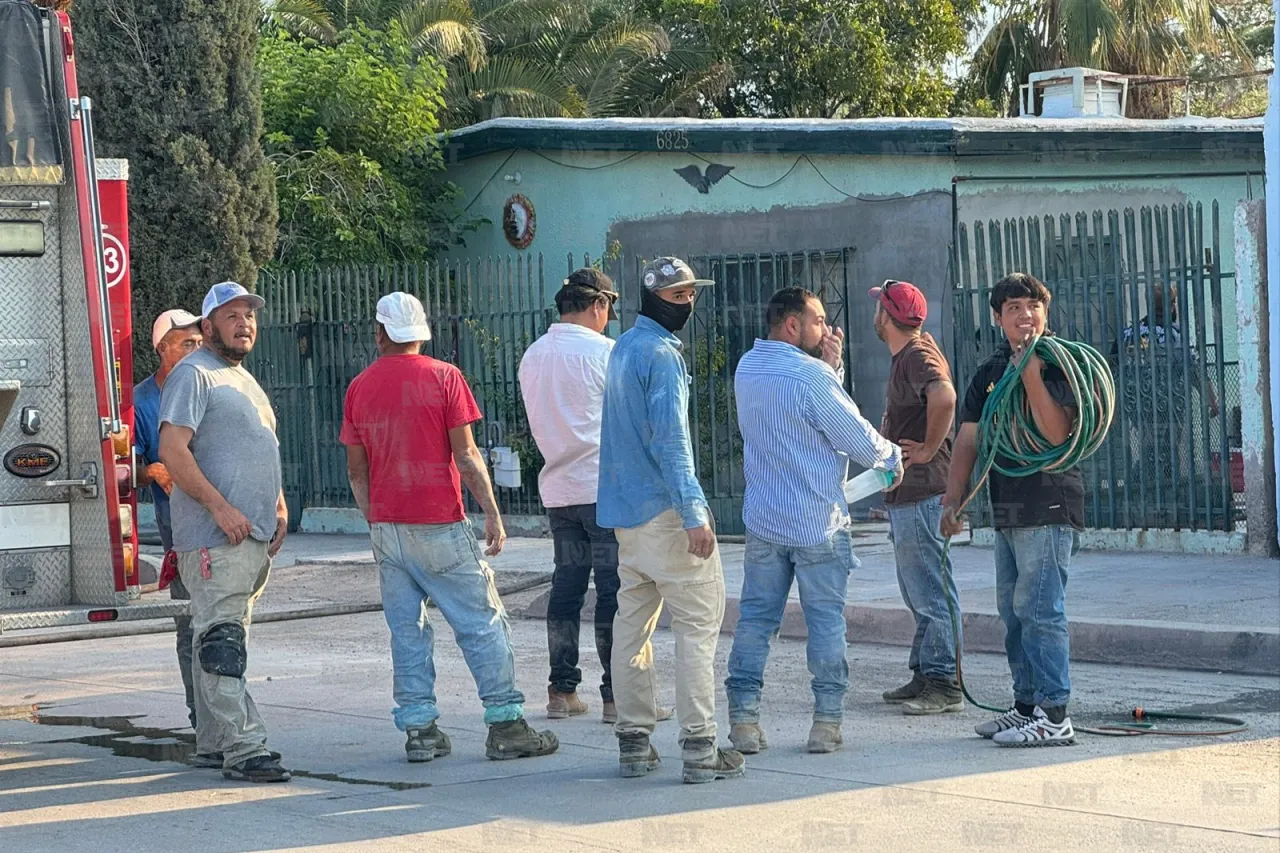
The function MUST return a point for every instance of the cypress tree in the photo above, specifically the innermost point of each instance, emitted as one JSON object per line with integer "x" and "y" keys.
{"x": 176, "y": 93}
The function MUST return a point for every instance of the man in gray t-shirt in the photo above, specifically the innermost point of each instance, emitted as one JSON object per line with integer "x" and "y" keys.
{"x": 218, "y": 442}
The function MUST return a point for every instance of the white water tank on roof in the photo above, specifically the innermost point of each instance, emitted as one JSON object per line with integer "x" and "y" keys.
{"x": 1074, "y": 93}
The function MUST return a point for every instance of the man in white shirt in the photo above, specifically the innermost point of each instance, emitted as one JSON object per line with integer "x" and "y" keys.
{"x": 562, "y": 378}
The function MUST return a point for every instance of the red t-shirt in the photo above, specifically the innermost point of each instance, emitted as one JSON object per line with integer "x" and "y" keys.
{"x": 401, "y": 409}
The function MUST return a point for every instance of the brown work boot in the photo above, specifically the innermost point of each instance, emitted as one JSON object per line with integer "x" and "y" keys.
{"x": 938, "y": 697}
{"x": 704, "y": 762}
{"x": 748, "y": 738}
{"x": 910, "y": 690}
{"x": 636, "y": 756}
{"x": 561, "y": 705}
{"x": 825, "y": 737}
{"x": 517, "y": 740}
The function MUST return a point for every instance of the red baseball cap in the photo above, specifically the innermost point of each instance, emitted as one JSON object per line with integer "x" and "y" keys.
{"x": 903, "y": 300}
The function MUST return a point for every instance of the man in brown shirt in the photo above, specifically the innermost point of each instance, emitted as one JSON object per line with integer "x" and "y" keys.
{"x": 920, "y": 404}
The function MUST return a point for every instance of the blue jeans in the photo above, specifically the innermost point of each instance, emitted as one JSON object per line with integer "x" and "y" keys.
{"x": 822, "y": 573}
{"x": 1031, "y": 595}
{"x": 443, "y": 562}
{"x": 917, "y": 550}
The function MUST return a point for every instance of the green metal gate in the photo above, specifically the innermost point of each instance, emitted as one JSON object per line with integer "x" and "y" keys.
{"x": 316, "y": 335}
{"x": 1171, "y": 460}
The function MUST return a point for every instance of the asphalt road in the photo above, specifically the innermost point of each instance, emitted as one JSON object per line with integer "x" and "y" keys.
{"x": 103, "y": 768}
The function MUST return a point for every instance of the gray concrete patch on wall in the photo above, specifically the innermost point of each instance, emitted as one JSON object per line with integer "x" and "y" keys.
{"x": 902, "y": 237}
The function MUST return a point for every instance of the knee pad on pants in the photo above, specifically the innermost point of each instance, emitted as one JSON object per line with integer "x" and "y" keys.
{"x": 222, "y": 650}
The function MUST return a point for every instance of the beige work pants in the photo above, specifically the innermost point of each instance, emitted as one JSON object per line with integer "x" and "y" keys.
{"x": 227, "y": 721}
{"x": 656, "y": 568}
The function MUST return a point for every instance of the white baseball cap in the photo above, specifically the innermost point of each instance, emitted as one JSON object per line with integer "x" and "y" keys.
{"x": 174, "y": 318}
{"x": 404, "y": 318}
{"x": 228, "y": 291}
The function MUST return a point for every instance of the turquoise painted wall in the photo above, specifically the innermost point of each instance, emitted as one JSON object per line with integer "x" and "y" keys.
{"x": 578, "y": 196}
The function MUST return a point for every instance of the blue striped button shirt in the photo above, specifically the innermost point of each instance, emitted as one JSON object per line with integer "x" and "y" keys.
{"x": 799, "y": 431}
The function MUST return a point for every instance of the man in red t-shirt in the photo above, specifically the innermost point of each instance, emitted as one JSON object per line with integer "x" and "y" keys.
{"x": 407, "y": 428}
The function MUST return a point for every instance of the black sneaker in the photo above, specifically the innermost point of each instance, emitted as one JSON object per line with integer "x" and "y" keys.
{"x": 263, "y": 768}
{"x": 214, "y": 760}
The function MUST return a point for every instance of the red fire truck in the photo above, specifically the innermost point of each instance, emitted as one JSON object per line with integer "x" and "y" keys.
{"x": 68, "y": 544}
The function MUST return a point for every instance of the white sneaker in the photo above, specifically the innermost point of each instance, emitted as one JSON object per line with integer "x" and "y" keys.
{"x": 1010, "y": 719}
{"x": 1038, "y": 731}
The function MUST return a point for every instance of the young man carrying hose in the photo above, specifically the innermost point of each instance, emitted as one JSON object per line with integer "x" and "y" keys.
{"x": 919, "y": 408}
{"x": 667, "y": 555}
{"x": 799, "y": 431}
{"x": 1034, "y": 518}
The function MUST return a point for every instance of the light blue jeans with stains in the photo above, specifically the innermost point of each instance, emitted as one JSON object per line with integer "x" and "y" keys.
{"x": 1031, "y": 595}
{"x": 443, "y": 563}
{"x": 917, "y": 551}
{"x": 822, "y": 573}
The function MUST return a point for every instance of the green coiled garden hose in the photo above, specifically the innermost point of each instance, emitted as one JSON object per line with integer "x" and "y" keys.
{"x": 1008, "y": 431}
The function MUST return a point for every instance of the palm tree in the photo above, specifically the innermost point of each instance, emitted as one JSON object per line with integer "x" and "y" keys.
{"x": 1159, "y": 38}
{"x": 529, "y": 57}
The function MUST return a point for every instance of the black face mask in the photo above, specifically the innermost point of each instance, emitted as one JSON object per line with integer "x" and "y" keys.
{"x": 669, "y": 315}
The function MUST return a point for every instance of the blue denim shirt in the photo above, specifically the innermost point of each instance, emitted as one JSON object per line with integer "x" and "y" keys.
{"x": 646, "y": 457}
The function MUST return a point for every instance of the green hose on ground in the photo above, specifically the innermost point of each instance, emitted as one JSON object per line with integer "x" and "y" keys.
{"x": 1008, "y": 429}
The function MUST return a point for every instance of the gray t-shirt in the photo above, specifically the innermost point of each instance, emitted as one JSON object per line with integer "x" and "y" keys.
{"x": 234, "y": 444}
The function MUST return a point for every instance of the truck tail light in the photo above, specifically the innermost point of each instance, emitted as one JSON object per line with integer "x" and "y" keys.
{"x": 120, "y": 444}
{"x": 130, "y": 568}
{"x": 126, "y": 522}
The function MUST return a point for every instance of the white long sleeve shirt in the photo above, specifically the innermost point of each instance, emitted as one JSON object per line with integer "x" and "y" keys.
{"x": 562, "y": 378}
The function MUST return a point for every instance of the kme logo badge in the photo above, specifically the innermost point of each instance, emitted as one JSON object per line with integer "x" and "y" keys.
{"x": 32, "y": 460}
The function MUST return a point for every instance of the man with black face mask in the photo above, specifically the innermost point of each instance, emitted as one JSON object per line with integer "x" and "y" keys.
{"x": 667, "y": 551}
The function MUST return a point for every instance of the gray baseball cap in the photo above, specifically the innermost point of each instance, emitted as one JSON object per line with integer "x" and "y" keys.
{"x": 666, "y": 273}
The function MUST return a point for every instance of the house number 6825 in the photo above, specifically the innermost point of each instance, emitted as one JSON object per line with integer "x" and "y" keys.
{"x": 672, "y": 140}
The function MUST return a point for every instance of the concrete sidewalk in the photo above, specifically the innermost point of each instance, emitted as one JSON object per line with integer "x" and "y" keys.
{"x": 1193, "y": 612}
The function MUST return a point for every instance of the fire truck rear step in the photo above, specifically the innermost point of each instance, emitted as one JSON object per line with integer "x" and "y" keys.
{"x": 17, "y": 620}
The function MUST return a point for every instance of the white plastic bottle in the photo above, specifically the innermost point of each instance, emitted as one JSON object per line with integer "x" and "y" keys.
{"x": 867, "y": 484}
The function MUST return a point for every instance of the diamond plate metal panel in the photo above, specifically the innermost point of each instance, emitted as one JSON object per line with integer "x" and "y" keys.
{"x": 35, "y": 579}
{"x": 18, "y": 620}
{"x": 92, "y": 575}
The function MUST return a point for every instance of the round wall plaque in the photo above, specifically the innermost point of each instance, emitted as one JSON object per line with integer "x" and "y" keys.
{"x": 518, "y": 222}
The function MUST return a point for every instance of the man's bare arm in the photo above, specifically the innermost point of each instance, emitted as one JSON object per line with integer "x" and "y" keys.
{"x": 175, "y": 454}
{"x": 940, "y": 406}
{"x": 358, "y": 476}
{"x": 963, "y": 457}
{"x": 475, "y": 474}
{"x": 471, "y": 467}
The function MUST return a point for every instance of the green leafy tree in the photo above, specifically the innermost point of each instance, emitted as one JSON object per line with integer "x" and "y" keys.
{"x": 350, "y": 128}
{"x": 824, "y": 58}
{"x": 176, "y": 93}
{"x": 1141, "y": 37}
{"x": 531, "y": 57}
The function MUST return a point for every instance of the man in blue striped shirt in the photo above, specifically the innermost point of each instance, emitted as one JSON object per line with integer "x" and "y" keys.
{"x": 799, "y": 430}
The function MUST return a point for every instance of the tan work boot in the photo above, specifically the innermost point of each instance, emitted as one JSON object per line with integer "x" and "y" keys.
{"x": 825, "y": 737}
{"x": 937, "y": 698}
{"x": 561, "y": 705}
{"x": 636, "y": 756}
{"x": 910, "y": 690}
{"x": 748, "y": 738}
{"x": 703, "y": 762}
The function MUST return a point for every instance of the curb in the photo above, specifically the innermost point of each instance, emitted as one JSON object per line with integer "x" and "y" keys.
{"x": 1248, "y": 651}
